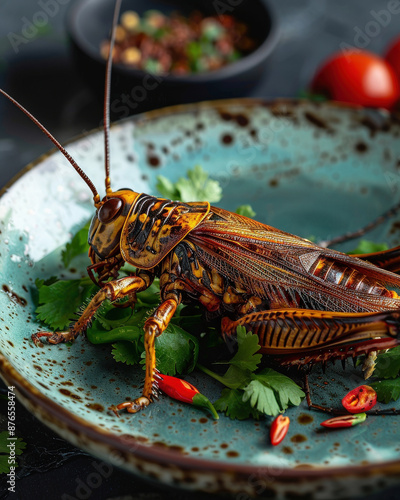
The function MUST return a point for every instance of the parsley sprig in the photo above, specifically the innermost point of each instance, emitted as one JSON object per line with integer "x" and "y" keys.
{"x": 388, "y": 369}
{"x": 76, "y": 246}
{"x": 20, "y": 445}
{"x": 250, "y": 392}
{"x": 195, "y": 187}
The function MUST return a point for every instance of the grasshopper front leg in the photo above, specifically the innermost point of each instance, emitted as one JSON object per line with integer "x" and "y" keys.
{"x": 114, "y": 290}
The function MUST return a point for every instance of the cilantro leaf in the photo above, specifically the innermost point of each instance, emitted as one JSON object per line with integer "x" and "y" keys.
{"x": 245, "y": 210}
{"x": 4, "y": 467}
{"x": 150, "y": 297}
{"x": 196, "y": 187}
{"x": 77, "y": 246}
{"x": 231, "y": 402}
{"x": 288, "y": 392}
{"x": 388, "y": 364}
{"x": 234, "y": 377}
{"x": 127, "y": 352}
{"x": 246, "y": 357}
{"x": 166, "y": 188}
{"x": 267, "y": 392}
{"x": 366, "y": 246}
{"x": 271, "y": 392}
{"x": 176, "y": 351}
{"x": 261, "y": 397}
{"x": 59, "y": 303}
{"x": 201, "y": 187}
{"x": 242, "y": 363}
{"x": 387, "y": 390}
{"x": 48, "y": 282}
{"x": 112, "y": 317}
{"x": 20, "y": 445}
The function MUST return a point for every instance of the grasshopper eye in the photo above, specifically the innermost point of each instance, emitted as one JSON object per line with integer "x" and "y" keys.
{"x": 109, "y": 210}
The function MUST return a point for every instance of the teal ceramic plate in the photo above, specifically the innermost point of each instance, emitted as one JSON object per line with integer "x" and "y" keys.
{"x": 310, "y": 169}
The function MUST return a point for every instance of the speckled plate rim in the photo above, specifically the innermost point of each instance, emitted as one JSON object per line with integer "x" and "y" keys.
{"x": 28, "y": 394}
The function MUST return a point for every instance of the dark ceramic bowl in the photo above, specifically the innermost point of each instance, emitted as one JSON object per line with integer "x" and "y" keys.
{"x": 133, "y": 91}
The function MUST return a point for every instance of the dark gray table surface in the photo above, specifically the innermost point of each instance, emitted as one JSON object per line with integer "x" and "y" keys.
{"x": 40, "y": 73}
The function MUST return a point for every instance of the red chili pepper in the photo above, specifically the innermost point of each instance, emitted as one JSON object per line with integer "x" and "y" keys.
{"x": 183, "y": 391}
{"x": 344, "y": 421}
{"x": 360, "y": 399}
{"x": 279, "y": 429}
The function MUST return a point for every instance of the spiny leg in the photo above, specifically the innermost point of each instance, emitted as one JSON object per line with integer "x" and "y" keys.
{"x": 310, "y": 335}
{"x": 154, "y": 326}
{"x": 302, "y": 336}
{"x": 114, "y": 290}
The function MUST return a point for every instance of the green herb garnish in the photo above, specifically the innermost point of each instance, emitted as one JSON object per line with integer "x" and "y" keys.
{"x": 77, "y": 246}
{"x": 20, "y": 445}
{"x": 267, "y": 392}
{"x": 245, "y": 210}
{"x": 366, "y": 246}
{"x": 197, "y": 186}
{"x": 387, "y": 390}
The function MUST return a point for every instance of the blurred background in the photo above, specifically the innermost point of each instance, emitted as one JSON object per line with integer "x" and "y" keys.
{"x": 39, "y": 71}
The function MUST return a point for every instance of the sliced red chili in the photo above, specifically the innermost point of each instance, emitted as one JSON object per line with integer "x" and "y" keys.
{"x": 344, "y": 421}
{"x": 360, "y": 399}
{"x": 184, "y": 391}
{"x": 279, "y": 429}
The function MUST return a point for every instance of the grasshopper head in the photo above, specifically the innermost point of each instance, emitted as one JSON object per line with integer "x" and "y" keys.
{"x": 107, "y": 223}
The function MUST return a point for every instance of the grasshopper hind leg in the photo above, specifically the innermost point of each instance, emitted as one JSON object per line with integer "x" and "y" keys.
{"x": 302, "y": 337}
{"x": 153, "y": 327}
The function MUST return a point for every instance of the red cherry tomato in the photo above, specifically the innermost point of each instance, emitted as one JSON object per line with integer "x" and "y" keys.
{"x": 393, "y": 57}
{"x": 358, "y": 77}
{"x": 279, "y": 429}
{"x": 360, "y": 399}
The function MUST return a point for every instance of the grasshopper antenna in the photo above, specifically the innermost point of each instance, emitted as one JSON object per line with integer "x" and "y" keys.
{"x": 361, "y": 232}
{"x": 96, "y": 197}
{"x": 107, "y": 99}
